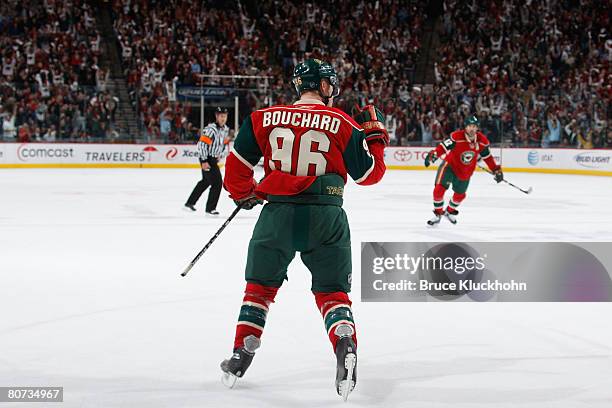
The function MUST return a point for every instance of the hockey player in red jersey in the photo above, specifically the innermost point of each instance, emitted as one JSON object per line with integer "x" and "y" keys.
{"x": 309, "y": 148}
{"x": 460, "y": 151}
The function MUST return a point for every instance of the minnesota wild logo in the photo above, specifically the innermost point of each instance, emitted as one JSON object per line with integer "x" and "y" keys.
{"x": 467, "y": 156}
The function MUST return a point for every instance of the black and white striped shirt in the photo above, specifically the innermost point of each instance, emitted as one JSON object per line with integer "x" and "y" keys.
{"x": 212, "y": 141}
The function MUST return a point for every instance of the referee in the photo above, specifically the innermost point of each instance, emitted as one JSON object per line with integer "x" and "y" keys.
{"x": 210, "y": 148}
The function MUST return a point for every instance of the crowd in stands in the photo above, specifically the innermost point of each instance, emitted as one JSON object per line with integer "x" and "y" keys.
{"x": 373, "y": 46}
{"x": 51, "y": 84}
{"x": 536, "y": 72}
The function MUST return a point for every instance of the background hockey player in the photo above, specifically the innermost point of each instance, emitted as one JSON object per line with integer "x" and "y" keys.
{"x": 461, "y": 151}
{"x": 210, "y": 148}
{"x": 308, "y": 149}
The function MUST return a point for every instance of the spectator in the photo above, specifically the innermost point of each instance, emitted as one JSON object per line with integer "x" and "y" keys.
{"x": 9, "y": 131}
{"x": 165, "y": 123}
{"x": 391, "y": 126}
{"x": 585, "y": 139}
{"x": 554, "y": 130}
{"x": 426, "y": 130}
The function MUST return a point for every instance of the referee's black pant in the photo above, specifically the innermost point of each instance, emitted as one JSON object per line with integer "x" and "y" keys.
{"x": 210, "y": 178}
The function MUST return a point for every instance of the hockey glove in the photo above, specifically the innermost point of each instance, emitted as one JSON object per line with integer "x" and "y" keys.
{"x": 249, "y": 202}
{"x": 372, "y": 120}
{"x": 431, "y": 158}
{"x": 498, "y": 175}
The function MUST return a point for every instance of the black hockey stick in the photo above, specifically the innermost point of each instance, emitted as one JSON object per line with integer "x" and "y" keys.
{"x": 528, "y": 191}
{"x": 199, "y": 255}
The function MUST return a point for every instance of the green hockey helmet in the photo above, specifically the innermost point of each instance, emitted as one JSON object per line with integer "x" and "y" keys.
{"x": 471, "y": 120}
{"x": 307, "y": 76}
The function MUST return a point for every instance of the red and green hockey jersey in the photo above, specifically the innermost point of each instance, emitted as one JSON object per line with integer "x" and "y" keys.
{"x": 299, "y": 143}
{"x": 462, "y": 155}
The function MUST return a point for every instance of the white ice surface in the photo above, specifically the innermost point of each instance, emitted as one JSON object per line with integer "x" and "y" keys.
{"x": 91, "y": 299}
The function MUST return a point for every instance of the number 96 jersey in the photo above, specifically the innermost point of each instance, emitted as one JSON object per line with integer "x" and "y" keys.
{"x": 300, "y": 143}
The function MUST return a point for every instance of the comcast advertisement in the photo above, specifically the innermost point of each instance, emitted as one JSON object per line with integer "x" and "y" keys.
{"x": 484, "y": 271}
{"x": 97, "y": 155}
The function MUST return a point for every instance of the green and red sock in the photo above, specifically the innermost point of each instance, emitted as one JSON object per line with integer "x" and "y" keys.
{"x": 438, "y": 199}
{"x": 454, "y": 203}
{"x": 253, "y": 312}
{"x": 335, "y": 307}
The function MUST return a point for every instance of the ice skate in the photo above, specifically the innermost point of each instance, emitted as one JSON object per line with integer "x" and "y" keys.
{"x": 346, "y": 356}
{"x": 435, "y": 220}
{"x": 235, "y": 367}
{"x": 451, "y": 215}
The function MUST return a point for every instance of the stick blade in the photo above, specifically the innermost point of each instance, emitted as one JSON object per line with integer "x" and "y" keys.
{"x": 187, "y": 269}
